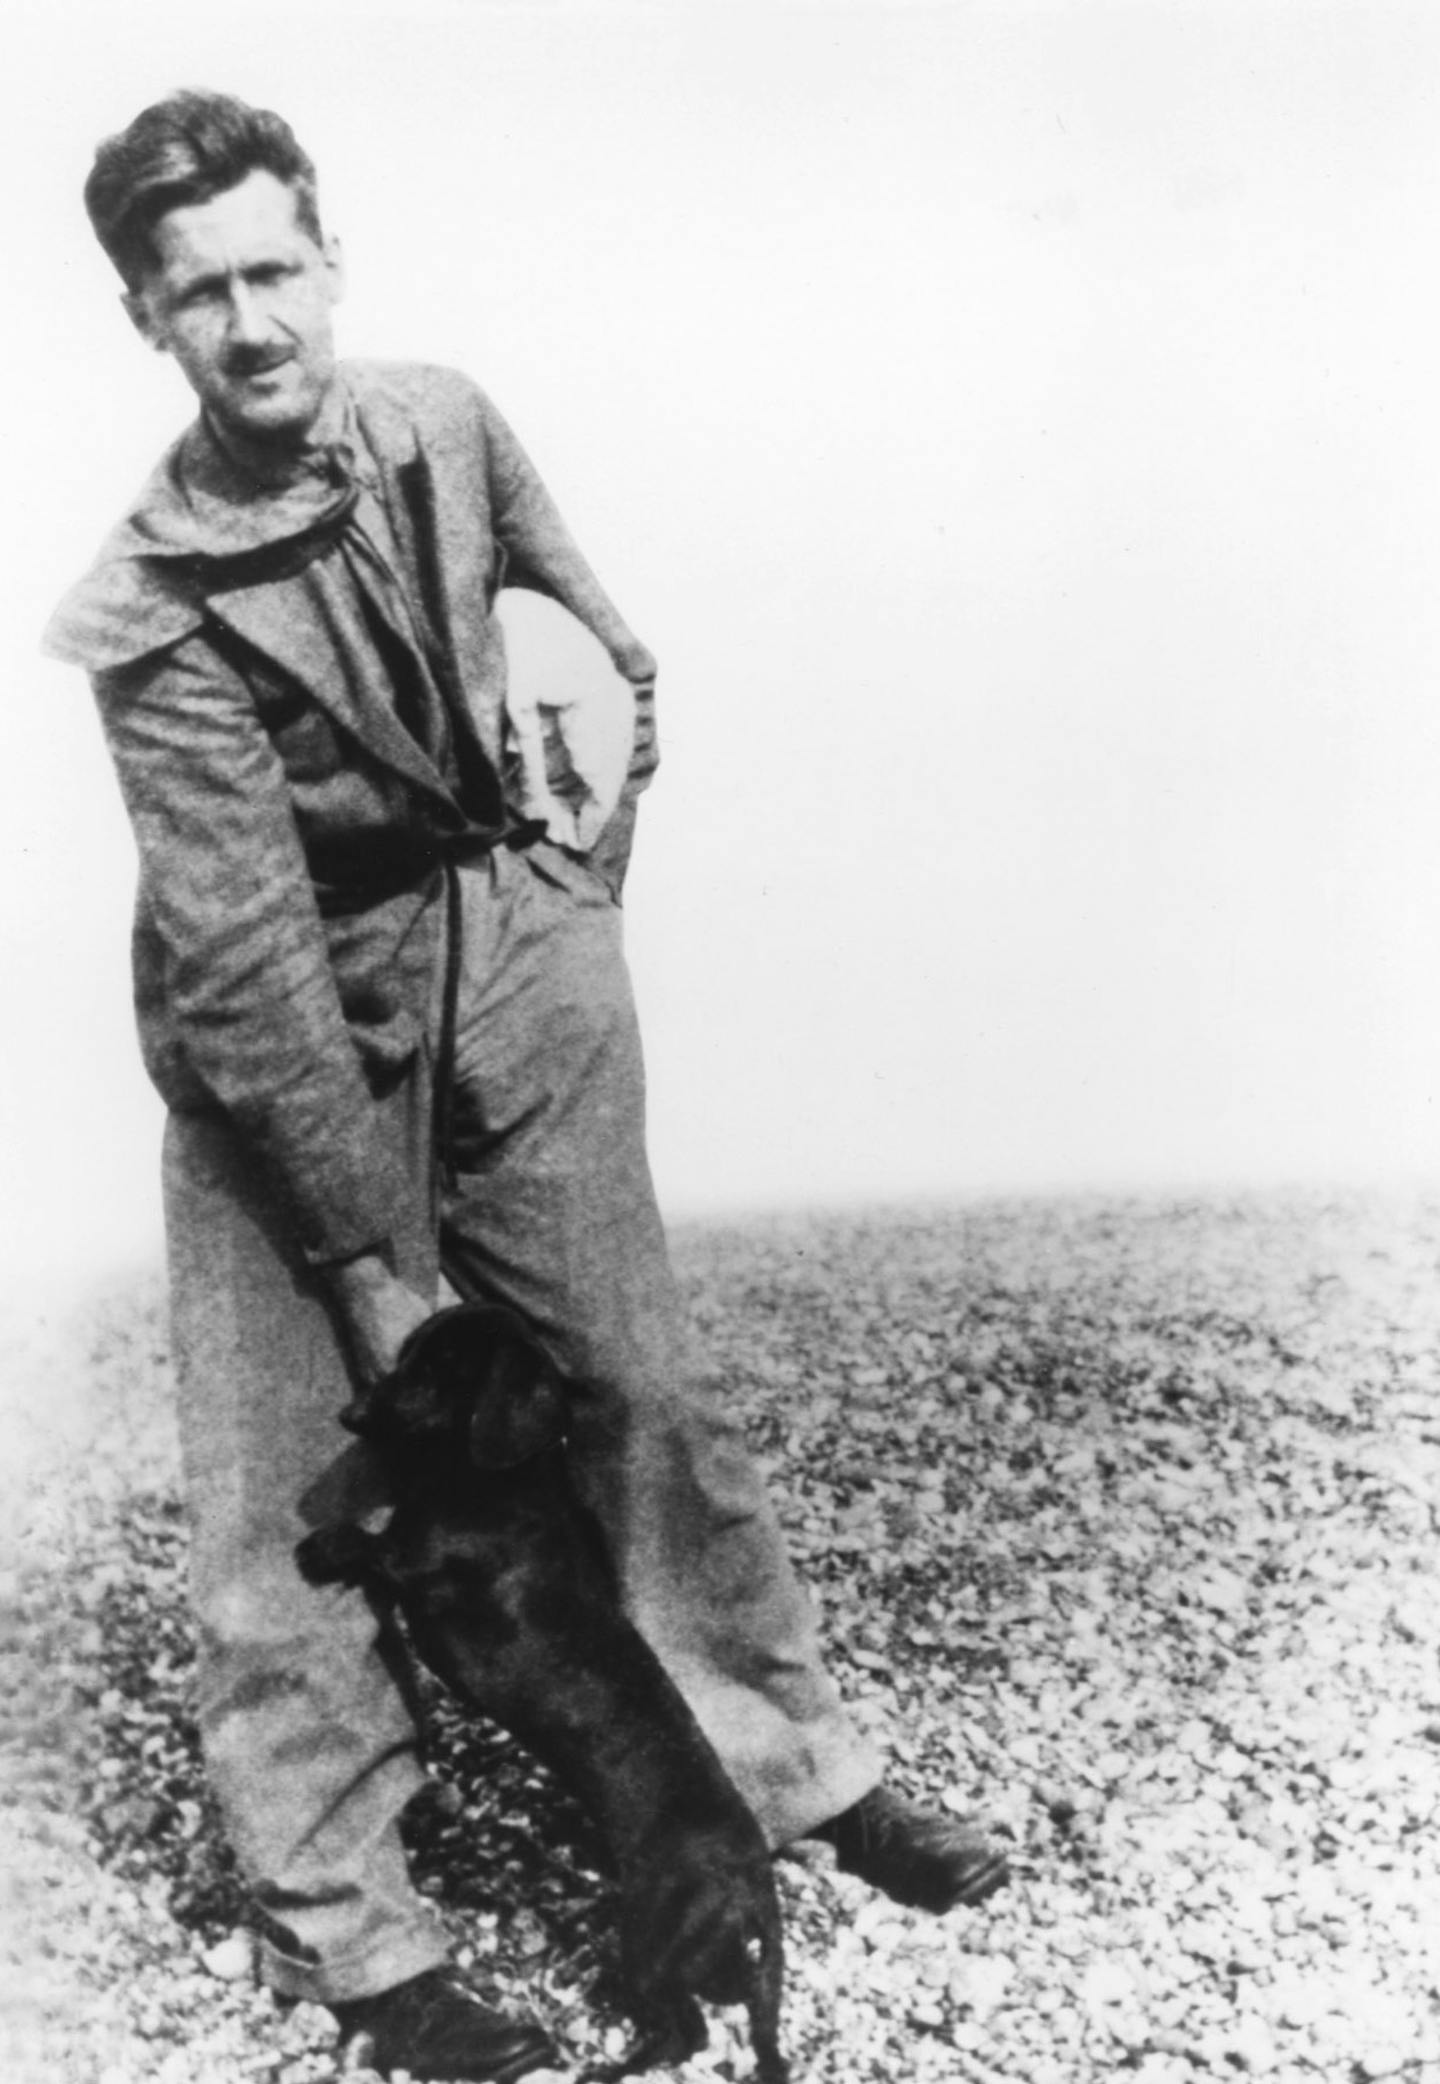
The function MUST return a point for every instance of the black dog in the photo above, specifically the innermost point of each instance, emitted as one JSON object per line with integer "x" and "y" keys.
{"x": 510, "y": 1598}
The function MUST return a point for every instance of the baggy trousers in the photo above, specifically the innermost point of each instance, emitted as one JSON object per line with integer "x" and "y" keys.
{"x": 309, "y": 1741}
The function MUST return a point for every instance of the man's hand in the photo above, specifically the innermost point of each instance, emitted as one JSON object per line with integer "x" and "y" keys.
{"x": 378, "y": 1313}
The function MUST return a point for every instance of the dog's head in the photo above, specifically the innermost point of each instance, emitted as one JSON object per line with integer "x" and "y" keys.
{"x": 471, "y": 1379}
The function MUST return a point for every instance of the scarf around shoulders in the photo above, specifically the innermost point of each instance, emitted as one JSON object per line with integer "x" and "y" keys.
{"x": 204, "y": 521}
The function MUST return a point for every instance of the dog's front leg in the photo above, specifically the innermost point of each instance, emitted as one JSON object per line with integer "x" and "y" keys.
{"x": 340, "y": 1555}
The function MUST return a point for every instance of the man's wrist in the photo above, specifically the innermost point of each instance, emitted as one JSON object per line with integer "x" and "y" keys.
{"x": 377, "y": 1310}
{"x": 364, "y": 1274}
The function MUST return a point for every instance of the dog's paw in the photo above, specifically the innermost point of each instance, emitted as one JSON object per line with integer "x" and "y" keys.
{"x": 334, "y": 1555}
{"x": 669, "y": 2035}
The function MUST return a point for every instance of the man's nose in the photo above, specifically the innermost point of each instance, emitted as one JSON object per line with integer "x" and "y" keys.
{"x": 249, "y": 322}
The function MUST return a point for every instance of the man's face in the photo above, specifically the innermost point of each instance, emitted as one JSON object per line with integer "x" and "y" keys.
{"x": 242, "y": 296}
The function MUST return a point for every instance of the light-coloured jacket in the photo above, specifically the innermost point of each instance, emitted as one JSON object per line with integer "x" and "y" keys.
{"x": 291, "y": 831}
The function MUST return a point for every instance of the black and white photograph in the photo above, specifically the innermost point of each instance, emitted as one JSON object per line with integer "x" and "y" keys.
{"x": 720, "y": 1338}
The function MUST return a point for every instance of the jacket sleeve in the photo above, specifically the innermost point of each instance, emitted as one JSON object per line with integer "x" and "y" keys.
{"x": 541, "y": 553}
{"x": 247, "y": 983}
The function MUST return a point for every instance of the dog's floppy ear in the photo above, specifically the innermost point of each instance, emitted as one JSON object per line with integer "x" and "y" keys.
{"x": 520, "y": 1407}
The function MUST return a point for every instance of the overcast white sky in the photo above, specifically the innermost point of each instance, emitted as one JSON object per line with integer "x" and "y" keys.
{"x": 1016, "y": 431}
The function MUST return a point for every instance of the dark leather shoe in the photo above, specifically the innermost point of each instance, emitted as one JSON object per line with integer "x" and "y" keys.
{"x": 434, "y": 2027}
{"x": 914, "y": 1856}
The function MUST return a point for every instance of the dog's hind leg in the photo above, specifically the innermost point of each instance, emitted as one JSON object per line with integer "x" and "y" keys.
{"x": 770, "y": 2065}
{"x": 762, "y": 2004}
{"x": 669, "y": 2035}
{"x": 765, "y": 1958}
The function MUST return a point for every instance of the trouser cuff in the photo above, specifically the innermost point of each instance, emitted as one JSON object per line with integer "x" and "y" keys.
{"x": 380, "y": 1966}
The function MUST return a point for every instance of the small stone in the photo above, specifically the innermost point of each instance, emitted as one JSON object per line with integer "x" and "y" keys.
{"x": 813, "y": 1853}
{"x": 980, "y": 1982}
{"x": 1205, "y": 1941}
{"x": 231, "y": 1959}
{"x": 1059, "y": 1803}
{"x": 879, "y": 1926}
{"x": 1067, "y": 2024}
{"x": 1252, "y": 2045}
{"x": 1107, "y": 1983}
{"x": 1298, "y": 2000}
{"x": 1210, "y": 2052}
{"x": 527, "y": 1935}
{"x": 1385, "y": 2059}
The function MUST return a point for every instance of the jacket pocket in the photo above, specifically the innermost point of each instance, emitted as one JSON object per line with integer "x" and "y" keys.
{"x": 571, "y": 873}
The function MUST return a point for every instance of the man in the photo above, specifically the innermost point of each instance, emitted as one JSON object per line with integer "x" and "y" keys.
{"x": 389, "y": 1014}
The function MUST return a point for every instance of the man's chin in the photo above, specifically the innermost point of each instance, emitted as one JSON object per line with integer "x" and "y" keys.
{"x": 276, "y": 422}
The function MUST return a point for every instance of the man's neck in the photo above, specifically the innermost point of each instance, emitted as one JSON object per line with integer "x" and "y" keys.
{"x": 278, "y": 462}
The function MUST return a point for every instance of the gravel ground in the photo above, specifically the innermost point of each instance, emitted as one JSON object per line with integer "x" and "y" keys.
{"x": 1121, "y": 1516}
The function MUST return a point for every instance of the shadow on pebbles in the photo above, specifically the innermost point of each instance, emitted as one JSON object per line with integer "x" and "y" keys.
{"x": 1120, "y": 1519}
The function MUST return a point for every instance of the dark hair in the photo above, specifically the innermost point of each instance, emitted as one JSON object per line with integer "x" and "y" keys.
{"x": 186, "y": 149}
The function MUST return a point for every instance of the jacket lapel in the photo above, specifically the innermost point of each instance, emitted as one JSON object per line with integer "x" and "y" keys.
{"x": 287, "y": 622}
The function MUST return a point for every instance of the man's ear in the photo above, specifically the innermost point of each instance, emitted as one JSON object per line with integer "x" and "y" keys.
{"x": 334, "y": 254}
